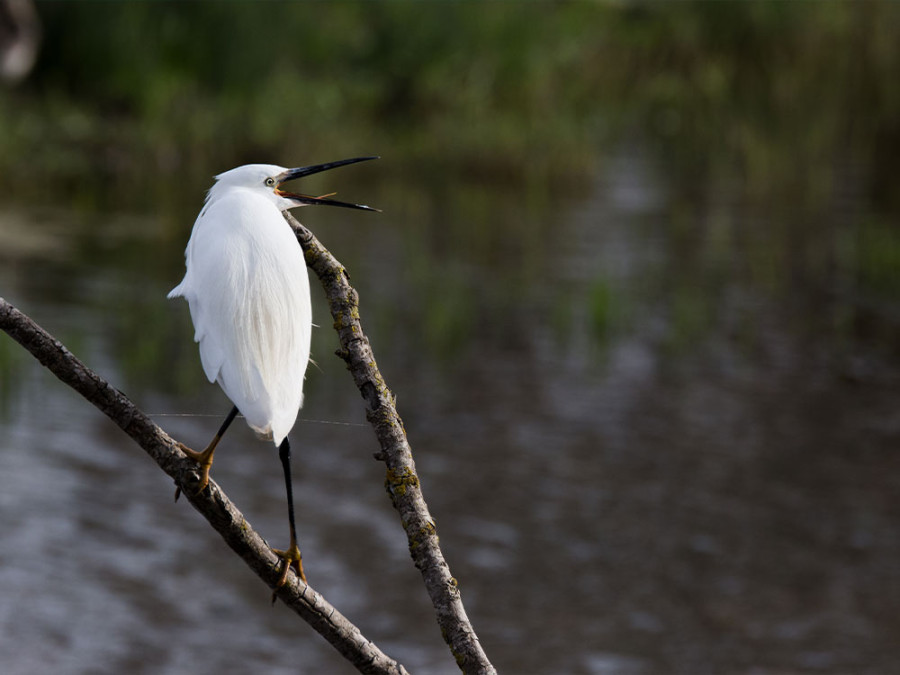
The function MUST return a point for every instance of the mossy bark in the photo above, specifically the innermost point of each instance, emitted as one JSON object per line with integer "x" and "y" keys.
{"x": 401, "y": 480}
{"x": 212, "y": 503}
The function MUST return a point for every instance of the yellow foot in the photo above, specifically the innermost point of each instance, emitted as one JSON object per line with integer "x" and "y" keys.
{"x": 204, "y": 460}
{"x": 291, "y": 557}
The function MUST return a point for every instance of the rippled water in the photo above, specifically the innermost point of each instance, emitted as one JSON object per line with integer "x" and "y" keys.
{"x": 646, "y": 447}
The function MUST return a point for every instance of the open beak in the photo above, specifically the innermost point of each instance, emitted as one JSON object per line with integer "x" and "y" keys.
{"x": 302, "y": 171}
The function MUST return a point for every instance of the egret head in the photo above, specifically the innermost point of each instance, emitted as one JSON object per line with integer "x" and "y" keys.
{"x": 268, "y": 180}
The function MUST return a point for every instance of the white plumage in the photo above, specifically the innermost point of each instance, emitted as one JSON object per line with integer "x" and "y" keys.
{"x": 248, "y": 291}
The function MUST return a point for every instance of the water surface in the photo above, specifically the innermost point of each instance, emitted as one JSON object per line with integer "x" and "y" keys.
{"x": 656, "y": 428}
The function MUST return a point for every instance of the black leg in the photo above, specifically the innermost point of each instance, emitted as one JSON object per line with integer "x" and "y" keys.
{"x": 284, "y": 453}
{"x": 226, "y": 423}
{"x": 291, "y": 555}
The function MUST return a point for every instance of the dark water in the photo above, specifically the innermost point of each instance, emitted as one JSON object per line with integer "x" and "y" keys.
{"x": 658, "y": 431}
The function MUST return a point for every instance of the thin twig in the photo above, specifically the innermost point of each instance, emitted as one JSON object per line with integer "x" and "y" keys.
{"x": 401, "y": 480}
{"x": 213, "y": 504}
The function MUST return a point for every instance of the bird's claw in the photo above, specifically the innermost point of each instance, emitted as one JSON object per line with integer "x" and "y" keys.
{"x": 204, "y": 460}
{"x": 290, "y": 558}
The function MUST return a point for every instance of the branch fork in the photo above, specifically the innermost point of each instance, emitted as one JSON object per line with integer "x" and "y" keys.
{"x": 401, "y": 480}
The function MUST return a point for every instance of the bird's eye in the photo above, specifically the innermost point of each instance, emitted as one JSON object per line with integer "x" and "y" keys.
{"x": 270, "y": 182}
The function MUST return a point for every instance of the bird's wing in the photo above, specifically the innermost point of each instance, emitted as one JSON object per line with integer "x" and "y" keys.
{"x": 248, "y": 292}
{"x": 211, "y": 298}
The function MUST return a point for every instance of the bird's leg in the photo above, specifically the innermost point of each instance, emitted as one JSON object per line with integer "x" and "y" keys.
{"x": 291, "y": 555}
{"x": 205, "y": 458}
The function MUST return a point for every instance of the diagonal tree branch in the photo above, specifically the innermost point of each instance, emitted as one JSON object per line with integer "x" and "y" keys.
{"x": 401, "y": 480}
{"x": 213, "y": 504}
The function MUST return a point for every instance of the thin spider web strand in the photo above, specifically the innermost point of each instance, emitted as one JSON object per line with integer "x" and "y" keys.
{"x": 299, "y": 419}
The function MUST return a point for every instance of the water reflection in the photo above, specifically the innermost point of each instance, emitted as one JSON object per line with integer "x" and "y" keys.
{"x": 650, "y": 442}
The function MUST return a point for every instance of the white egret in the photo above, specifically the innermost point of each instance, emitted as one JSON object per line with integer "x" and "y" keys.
{"x": 248, "y": 291}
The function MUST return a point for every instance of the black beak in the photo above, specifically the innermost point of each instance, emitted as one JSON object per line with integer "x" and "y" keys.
{"x": 302, "y": 171}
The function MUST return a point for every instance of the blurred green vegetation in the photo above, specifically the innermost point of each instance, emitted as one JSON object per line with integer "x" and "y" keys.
{"x": 189, "y": 85}
{"x": 775, "y": 127}
{"x": 500, "y": 90}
